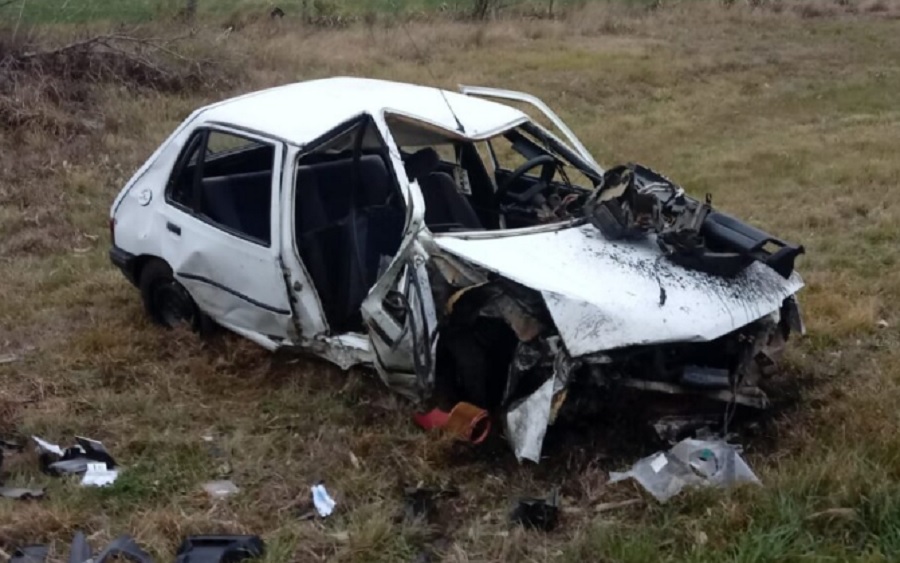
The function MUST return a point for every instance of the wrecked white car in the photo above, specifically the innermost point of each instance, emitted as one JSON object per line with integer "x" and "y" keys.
{"x": 465, "y": 251}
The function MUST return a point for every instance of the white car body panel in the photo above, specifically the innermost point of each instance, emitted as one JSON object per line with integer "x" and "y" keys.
{"x": 302, "y": 112}
{"x": 604, "y": 295}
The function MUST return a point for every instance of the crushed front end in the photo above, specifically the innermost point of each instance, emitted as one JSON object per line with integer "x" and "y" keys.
{"x": 648, "y": 293}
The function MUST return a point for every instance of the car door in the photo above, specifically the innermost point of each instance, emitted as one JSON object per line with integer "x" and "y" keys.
{"x": 222, "y": 227}
{"x": 537, "y": 103}
{"x": 399, "y": 311}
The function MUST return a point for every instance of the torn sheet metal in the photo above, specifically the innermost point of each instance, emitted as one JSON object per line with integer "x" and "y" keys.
{"x": 689, "y": 463}
{"x": 527, "y": 419}
{"x": 610, "y": 294}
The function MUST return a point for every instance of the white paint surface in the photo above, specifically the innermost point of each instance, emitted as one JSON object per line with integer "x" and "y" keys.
{"x": 299, "y": 113}
{"x": 604, "y": 295}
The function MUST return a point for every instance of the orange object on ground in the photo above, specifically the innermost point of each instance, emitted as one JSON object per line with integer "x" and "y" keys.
{"x": 465, "y": 420}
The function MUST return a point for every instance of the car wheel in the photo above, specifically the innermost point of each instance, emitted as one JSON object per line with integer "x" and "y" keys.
{"x": 166, "y": 301}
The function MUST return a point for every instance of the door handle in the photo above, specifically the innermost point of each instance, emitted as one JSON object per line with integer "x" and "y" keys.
{"x": 172, "y": 227}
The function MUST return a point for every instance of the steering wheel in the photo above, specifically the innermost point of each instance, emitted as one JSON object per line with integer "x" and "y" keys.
{"x": 548, "y": 164}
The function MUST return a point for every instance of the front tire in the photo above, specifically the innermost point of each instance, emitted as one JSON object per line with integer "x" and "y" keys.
{"x": 166, "y": 301}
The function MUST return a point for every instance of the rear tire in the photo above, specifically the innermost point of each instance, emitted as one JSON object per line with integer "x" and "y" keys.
{"x": 166, "y": 301}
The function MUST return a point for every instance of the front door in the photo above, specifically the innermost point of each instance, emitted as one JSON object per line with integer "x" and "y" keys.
{"x": 399, "y": 311}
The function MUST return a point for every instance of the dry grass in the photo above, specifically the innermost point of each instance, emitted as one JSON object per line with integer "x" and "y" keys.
{"x": 789, "y": 120}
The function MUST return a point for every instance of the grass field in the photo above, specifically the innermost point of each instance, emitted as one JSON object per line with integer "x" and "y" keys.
{"x": 136, "y": 11}
{"x": 788, "y": 116}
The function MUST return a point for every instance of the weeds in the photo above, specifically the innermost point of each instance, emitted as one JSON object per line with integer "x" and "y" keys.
{"x": 788, "y": 121}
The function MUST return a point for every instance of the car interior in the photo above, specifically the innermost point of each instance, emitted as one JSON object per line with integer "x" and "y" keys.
{"x": 230, "y": 187}
{"x": 349, "y": 218}
{"x": 515, "y": 179}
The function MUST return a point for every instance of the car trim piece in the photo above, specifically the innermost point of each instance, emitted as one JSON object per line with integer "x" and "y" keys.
{"x": 237, "y": 294}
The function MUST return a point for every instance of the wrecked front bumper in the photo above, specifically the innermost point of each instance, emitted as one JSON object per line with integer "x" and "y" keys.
{"x": 681, "y": 383}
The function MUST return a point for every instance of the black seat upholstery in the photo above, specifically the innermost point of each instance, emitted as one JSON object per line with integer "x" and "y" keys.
{"x": 445, "y": 206}
{"x": 344, "y": 224}
{"x": 241, "y": 202}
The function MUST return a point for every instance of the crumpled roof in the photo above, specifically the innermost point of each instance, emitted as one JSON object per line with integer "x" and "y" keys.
{"x": 301, "y": 112}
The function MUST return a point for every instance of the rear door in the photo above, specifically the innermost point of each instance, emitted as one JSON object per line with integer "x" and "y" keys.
{"x": 222, "y": 226}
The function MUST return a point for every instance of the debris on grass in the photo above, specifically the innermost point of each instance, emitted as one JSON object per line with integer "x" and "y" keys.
{"x": 689, "y": 463}
{"x": 220, "y": 489}
{"x": 19, "y": 493}
{"x": 80, "y": 550}
{"x": 99, "y": 475}
{"x": 219, "y": 549}
{"x": 322, "y": 500}
{"x": 465, "y": 420}
{"x": 420, "y": 502}
{"x": 30, "y": 554}
{"x": 674, "y": 428}
{"x": 537, "y": 513}
{"x": 123, "y": 548}
{"x": 74, "y": 459}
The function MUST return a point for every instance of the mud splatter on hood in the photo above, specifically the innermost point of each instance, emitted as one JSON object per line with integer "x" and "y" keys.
{"x": 604, "y": 295}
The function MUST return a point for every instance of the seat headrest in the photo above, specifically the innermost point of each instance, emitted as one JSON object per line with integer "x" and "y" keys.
{"x": 421, "y": 163}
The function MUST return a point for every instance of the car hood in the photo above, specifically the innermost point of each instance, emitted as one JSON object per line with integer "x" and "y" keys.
{"x": 604, "y": 295}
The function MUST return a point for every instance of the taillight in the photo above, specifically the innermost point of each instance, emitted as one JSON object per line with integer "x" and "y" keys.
{"x": 112, "y": 230}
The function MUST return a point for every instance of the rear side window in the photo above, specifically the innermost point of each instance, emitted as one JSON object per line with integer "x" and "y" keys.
{"x": 226, "y": 180}
{"x": 181, "y": 185}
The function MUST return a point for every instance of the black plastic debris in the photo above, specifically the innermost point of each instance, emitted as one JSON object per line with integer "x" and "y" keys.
{"x": 30, "y": 554}
{"x": 219, "y": 549}
{"x": 73, "y": 460}
{"x": 421, "y": 502}
{"x": 123, "y": 548}
{"x": 80, "y": 550}
{"x": 537, "y": 513}
{"x": 635, "y": 201}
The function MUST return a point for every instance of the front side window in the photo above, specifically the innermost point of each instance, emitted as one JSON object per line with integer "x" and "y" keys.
{"x": 226, "y": 179}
